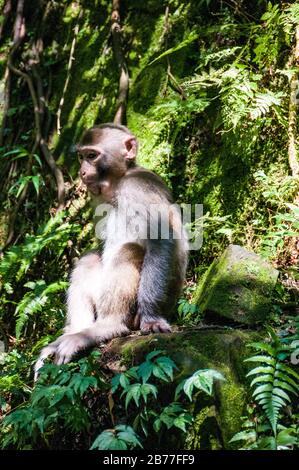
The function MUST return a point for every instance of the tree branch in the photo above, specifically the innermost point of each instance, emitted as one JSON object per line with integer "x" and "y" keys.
{"x": 117, "y": 39}
{"x": 38, "y": 101}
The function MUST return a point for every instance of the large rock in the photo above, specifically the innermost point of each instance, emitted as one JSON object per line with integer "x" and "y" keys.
{"x": 237, "y": 286}
{"x": 217, "y": 418}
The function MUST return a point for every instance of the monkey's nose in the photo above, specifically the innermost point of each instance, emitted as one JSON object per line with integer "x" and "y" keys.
{"x": 83, "y": 173}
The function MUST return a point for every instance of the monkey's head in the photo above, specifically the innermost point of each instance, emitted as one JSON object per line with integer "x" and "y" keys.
{"x": 106, "y": 153}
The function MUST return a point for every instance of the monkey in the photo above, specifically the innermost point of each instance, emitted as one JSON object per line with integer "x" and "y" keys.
{"x": 139, "y": 274}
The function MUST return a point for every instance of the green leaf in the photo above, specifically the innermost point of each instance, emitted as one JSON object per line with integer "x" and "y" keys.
{"x": 279, "y": 392}
{"x": 286, "y": 386}
{"x": 286, "y": 378}
{"x": 23, "y": 183}
{"x": 181, "y": 421}
{"x": 202, "y": 380}
{"x": 153, "y": 354}
{"x": 286, "y": 437}
{"x": 244, "y": 436}
{"x": 261, "y": 370}
{"x": 36, "y": 181}
{"x": 115, "y": 382}
{"x": 145, "y": 370}
{"x": 262, "y": 388}
{"x": 262, "y": 378}
{"x": 167, "y": 365}
{"x": 260, "y": 358}
{"x": 107, "y": 441}
{"x": 116, "y": 439}
{"x": 190, "y": 38}
{"x": 127, "y": 434}
{"x": 158, "y": 372}
{"x": 133, "y": 392}
{"x": 284, "y": 368}
{"x": 124, "y": 381}
{"x": 263, "y": 347}
{"x": 148, "y": 389}
{"x": 37, "y": 158}
{"x": 157, "y": 425}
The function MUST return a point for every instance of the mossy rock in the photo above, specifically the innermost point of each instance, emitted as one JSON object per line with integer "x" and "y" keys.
{"x": 216, "y": 418}
{"x": 237, "y": 286}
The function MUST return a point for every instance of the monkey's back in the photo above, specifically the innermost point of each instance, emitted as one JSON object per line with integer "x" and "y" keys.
{"x": 145, "y": 184}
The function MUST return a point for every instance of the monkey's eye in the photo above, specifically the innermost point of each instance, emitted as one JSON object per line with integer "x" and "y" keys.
{"x": 92, "y": 155}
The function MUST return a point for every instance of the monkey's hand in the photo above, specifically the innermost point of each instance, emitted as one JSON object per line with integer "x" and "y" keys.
{"x": 68, "y": 345}
{"x": 64, "y": 348}
{"x": 154, "y": 325}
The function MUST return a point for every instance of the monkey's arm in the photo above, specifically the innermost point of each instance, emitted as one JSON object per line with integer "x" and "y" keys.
{"x": 153, "y": 292}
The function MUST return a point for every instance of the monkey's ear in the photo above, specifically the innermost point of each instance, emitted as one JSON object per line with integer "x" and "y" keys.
{"x": 131, "y": 148}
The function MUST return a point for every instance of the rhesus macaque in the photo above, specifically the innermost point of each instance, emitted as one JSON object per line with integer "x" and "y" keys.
{"x": 139, "y": 274}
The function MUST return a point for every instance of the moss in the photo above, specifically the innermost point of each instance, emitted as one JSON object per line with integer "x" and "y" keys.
{"x": 205, "y": 432}
{"x": 238, "y": 286}
{"x": 232, "y": 405}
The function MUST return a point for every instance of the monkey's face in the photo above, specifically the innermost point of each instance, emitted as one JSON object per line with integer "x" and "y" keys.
{"x": 104, "y": 162}
{"x": 101, "y": 172}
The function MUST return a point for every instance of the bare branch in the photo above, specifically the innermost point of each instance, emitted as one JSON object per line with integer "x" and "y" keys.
{"x": 116, "y": 31}
{"x": 38, "y": 101}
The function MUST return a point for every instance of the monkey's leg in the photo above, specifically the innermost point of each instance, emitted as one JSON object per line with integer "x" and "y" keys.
{"x": 85, "y": 279}
{"x": 154, "y": 298}
{"x": 85, "y": 282}
{"x": 115, "y": 304}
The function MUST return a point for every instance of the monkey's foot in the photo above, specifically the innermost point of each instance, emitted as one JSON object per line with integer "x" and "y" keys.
{"x": 157, "y": 325}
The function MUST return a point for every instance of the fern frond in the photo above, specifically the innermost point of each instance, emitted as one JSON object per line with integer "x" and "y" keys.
{"x": 35, "y": 300}
{"x": 263, "y": 102}
{"x": 273, "y": 384}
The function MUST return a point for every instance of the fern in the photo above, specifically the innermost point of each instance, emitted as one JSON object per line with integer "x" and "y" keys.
{"x": 34, "y": 301}
{"x": 274, "y": 382}
{"x": 262, "y": 103}
{"x": 290, "y": 18}
{"x": 239, "y": 93}
{"x": 18, "y": 259}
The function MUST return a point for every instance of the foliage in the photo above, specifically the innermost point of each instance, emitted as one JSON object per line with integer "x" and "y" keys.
{"x": 33, "y": 302}
{"x": 275, "y": 386}
{"x": 18, "y": 259}
{"x": 59, "y": 401}
{"x": 144, "y": 400}
{"x": 120, "y": 438}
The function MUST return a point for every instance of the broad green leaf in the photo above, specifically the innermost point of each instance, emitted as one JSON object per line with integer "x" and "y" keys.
{"x": 145, "y": 370}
